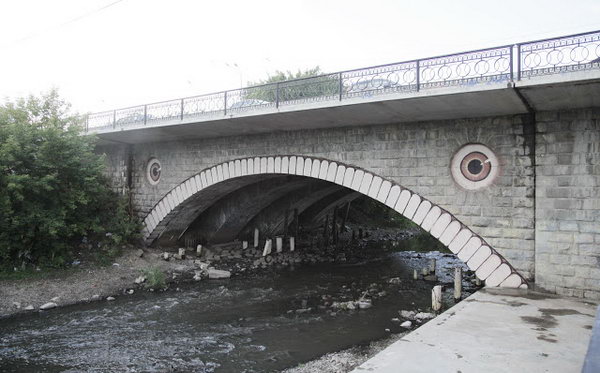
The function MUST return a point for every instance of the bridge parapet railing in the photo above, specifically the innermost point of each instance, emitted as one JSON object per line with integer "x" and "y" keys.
{"x": 481, "y": 66}
{"x": 558, "y": 55}
{"x": 484, "y": 66}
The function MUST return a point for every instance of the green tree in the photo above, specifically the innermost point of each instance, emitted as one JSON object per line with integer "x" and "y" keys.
{"x": 53, "y": 194}
{"x": 312, "y": 83}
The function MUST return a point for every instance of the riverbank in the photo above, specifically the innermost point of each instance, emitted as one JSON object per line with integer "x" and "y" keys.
{"x": 84, "y": 283}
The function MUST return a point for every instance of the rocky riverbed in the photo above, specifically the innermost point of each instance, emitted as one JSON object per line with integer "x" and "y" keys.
{"x": 353, "y": 299}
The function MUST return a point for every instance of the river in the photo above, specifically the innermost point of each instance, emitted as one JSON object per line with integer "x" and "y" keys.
{"x": 243, "y": 324}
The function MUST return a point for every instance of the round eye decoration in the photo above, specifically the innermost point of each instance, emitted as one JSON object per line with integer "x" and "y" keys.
{"x": 153, "y": 170}
{"x": 474, "y": 166}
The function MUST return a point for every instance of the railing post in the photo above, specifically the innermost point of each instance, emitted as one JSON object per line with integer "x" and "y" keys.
{"x": 418, "y": 74}
{"x": 518, "y": 61}
{"x": 277, "y": 95}
{"x": 341, "y": 87}
{"x": 511, "y": 63}
{"x": 114, "y": 119}
{"x": 182, "y": 109}
{"x": 145, "y": 114}
{"x": 225, "y": 103}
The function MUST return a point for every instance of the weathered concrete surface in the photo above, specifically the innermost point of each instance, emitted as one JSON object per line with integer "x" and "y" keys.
{"x": 495, "y": 330}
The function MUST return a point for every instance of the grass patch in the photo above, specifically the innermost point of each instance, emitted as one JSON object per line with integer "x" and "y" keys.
{"x": 155, "y": 278}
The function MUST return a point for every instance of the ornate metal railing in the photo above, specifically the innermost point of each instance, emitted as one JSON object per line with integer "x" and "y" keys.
{"x": 564, "y": 54}
{"x": 484, "y": 66}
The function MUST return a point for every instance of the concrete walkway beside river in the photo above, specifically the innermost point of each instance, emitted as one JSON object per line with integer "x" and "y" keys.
{"x": 496, "y": 330}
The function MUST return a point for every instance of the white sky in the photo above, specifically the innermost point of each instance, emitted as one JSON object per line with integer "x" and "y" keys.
{"x": 141, "y": 51}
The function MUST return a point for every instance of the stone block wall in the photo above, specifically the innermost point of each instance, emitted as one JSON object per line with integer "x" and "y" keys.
{"x": 415, "y": 155}
{"x": 567, "y": 241}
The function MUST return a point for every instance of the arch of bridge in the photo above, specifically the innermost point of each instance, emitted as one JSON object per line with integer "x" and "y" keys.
{"x": 479, "y": 256}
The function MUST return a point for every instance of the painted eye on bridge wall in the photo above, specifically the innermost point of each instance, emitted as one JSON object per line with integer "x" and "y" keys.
{"x": 474, "y": 166}
{"x": 153, "y": 170}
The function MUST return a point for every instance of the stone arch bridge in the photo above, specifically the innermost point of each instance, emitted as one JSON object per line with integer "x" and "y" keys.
{"x": 501, "y": 165}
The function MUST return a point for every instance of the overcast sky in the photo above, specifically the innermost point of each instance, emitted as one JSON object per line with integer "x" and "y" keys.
{"x": 106, "y": 54}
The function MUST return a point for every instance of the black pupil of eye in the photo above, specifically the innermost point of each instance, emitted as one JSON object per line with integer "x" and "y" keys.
{"x": 475, "y": 166}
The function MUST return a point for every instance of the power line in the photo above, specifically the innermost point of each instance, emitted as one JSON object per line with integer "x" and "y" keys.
{"x": 73, "y": 20}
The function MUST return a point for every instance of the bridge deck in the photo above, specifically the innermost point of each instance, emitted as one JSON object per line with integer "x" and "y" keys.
{"x": 551, "y": 74}
{"x": 496, "y": 330}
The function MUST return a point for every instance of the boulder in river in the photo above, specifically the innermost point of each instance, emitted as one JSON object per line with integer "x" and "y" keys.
{"x": 29, "y": 308}
{"x": 48, "y": 306}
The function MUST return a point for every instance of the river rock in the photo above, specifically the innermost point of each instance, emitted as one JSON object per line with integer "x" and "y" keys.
{"x": 139, "y": 253}
{"x": 218, "y": 273}
{"x": 16, "y": 304}
{"x": 130, "y": 291}
{"x": 110, "y": 298}
{"x": 424, "y": 316}
{"x": 29, "y": 308}
{"x": 48, "y": 306}
{"x": 406, "y": 324}
{"x": 197, "y": 275}
{"x": 395, "y": 280}
{"x": 165, "y": 256}
{"x": 408, "y": 314}
{"x": 95, "y": 297}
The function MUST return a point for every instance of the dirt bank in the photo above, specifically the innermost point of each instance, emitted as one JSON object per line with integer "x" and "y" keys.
{"x": 83, "y": 282}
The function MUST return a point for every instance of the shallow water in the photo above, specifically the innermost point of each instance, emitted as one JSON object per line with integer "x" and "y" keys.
{"x": 235, "y": 325}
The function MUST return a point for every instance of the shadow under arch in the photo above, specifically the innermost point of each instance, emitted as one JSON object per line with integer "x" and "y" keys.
{"x": 479, "y": 256}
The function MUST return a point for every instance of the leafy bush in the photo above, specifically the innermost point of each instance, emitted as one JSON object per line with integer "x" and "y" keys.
{"x": 53, "y": 194}
{"x": 155, "y": 278}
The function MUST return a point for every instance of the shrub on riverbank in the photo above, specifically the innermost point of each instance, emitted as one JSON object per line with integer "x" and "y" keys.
{"x": 54, "y": 197}
{"x": 155, "y": 278}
